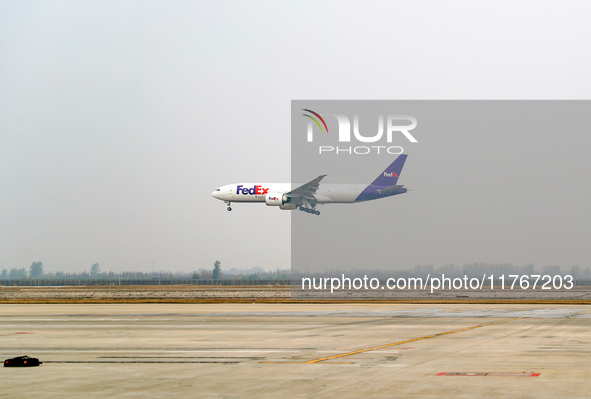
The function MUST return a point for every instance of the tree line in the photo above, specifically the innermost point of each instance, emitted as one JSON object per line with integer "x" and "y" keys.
{"x": 37, "y": 271}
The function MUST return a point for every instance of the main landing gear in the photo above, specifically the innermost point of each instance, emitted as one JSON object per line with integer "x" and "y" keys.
{"x": 309, "y": 210}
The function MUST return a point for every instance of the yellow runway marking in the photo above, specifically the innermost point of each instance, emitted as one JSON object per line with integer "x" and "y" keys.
{"x": 304, "y": 362}
{"x": 322, "y": 359}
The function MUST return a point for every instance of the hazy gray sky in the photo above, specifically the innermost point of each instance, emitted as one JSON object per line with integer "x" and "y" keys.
{"x": 118, "y": 119}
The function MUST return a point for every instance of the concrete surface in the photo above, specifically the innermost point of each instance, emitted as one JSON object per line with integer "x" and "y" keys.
{"x": 297, "y": 350}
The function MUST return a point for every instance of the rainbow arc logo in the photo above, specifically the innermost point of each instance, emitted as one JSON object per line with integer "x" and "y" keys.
{"x": 316, "y": 120}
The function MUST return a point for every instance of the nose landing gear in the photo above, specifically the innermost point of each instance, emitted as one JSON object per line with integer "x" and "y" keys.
{"x": 229, "y": 207}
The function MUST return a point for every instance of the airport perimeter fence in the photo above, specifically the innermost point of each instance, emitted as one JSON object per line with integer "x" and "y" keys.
{"x": 122, "y": 281}
{"x": 585, "y": 282}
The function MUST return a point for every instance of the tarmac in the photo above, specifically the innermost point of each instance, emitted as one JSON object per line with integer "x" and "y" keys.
{"x": 297, "y": 350}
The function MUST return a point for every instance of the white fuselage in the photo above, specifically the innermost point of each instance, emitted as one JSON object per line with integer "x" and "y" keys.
{"x": 256, "y": 192}
{"x": 306, "y": 196}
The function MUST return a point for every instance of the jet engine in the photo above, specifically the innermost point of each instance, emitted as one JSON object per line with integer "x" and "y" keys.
{"x": 280, "y": 200}
{"x": 276, "y": 199}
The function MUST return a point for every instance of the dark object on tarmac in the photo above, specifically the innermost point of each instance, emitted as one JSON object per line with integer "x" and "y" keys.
{"x": 22, "y": 361}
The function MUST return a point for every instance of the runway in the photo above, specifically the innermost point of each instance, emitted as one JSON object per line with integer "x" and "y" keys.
{"x": 298, "y": 350}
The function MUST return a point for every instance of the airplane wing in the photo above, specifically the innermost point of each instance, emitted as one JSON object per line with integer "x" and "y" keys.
{"x": 304, "y": 194}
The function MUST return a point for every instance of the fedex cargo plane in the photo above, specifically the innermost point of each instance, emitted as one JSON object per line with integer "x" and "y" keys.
{"x": 306, "y": 196}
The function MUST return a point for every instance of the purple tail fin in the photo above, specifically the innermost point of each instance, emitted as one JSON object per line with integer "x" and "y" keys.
{"x": 389, "y": 177}
{"x": 385, "y": 185}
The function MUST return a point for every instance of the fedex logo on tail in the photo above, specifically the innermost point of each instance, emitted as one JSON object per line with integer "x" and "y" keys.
{"x": 256, "y": 190}
{"x": 391, "y": 174}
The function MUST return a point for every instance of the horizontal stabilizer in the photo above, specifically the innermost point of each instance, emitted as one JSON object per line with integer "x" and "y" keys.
{"x": 391, "y": 189}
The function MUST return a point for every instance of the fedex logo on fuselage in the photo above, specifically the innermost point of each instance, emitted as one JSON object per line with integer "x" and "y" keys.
{"x": 256, "y": 190}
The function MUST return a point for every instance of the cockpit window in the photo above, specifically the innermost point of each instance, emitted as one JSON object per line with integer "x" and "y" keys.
{"x": 217, "y": 189}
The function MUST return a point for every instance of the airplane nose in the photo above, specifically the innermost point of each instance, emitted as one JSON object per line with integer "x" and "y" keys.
{"x": 216, "y": 194}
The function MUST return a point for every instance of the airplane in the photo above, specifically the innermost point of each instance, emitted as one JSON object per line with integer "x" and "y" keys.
{"x": 306, "y": 196}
